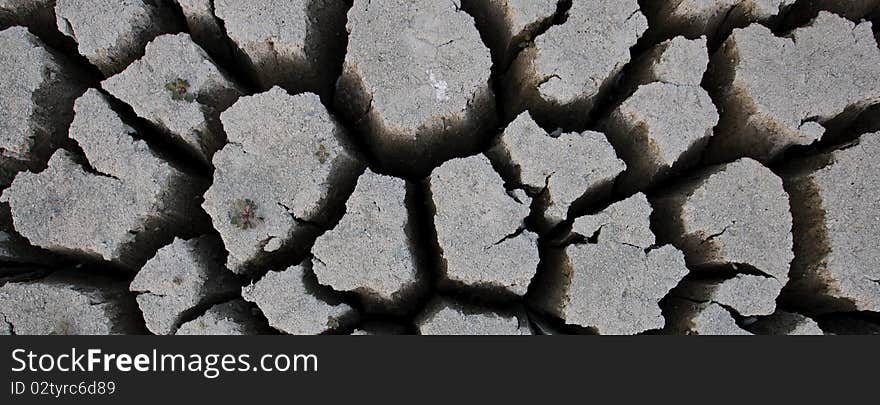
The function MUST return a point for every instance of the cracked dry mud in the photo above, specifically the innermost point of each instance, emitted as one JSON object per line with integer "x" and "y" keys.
{"x": 472, "y": 167}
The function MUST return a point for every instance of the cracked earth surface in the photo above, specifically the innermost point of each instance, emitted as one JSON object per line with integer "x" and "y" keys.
{"x": 439, "y": 167}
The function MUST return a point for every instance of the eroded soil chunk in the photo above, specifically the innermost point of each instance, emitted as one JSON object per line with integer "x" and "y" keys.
{"x": 732, "y": 222}
{"x": 290, "y": 302}
{"x": 779, "y": 92}
{"x": 571, "y": 65}
{"x": 665, "y": 125}
{"x": 230, "y": 318}
{"x": 181, "y": 277}
{"x": 123, "y": 205}
{"x": 275, "y": 181}
{"x": 67, "y": 303}
{"x": 445, "y": 318}
{"x": 614, "y": 279}
{"x": 564, "y": 172}
{"x": 39, "y": 87}
{"x": 416, "y": 81}
{"x": 178, "y": 88}
{"x": 837, "y": 214}
{"x": 371, "y": 250}
{"x": 480, "y": 228}
{"x": 112, "y": 33}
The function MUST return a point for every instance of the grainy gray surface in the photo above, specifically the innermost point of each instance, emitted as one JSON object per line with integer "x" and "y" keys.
{"x": 689, "y": 317}
{"x": 480, "y": 230}
{"x": 119, "y": 208}
{"x": 698, "y": 17}
{"x": 190, "y": 115}
{"x": 39, "y": 86}
{"x": 286, "y": 158}
{"x": 379, "y": 261}
{"x": 837, "y": 209}
{"x": 568, "y": 68}
{"x": 614, "y": 280}
{"x": 777, "y": 92}
{"x": 290, "y": 303}
{"x": 558, "y": 169}
{"x": 733, "y": 219}
{"x": 416, "y": 81}
{"x": 111, "y": 33}
{"x": 445, "y": 318}
{"x": 230, "y": 318}
{"x": 665, "y": 124}
{"x": 182, "y": 277}
{"x": 67, "y": 303}
{"x": 379, "y": 167}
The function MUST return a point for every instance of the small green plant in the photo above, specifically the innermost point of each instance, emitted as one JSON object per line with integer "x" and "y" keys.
{"x": 322, "y": 153}
{"x": 244, "y": 214}
{"x": 179, "y": 89}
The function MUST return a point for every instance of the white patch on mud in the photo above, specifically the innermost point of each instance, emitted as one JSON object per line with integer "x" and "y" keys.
{"x": 439, "y": 86}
